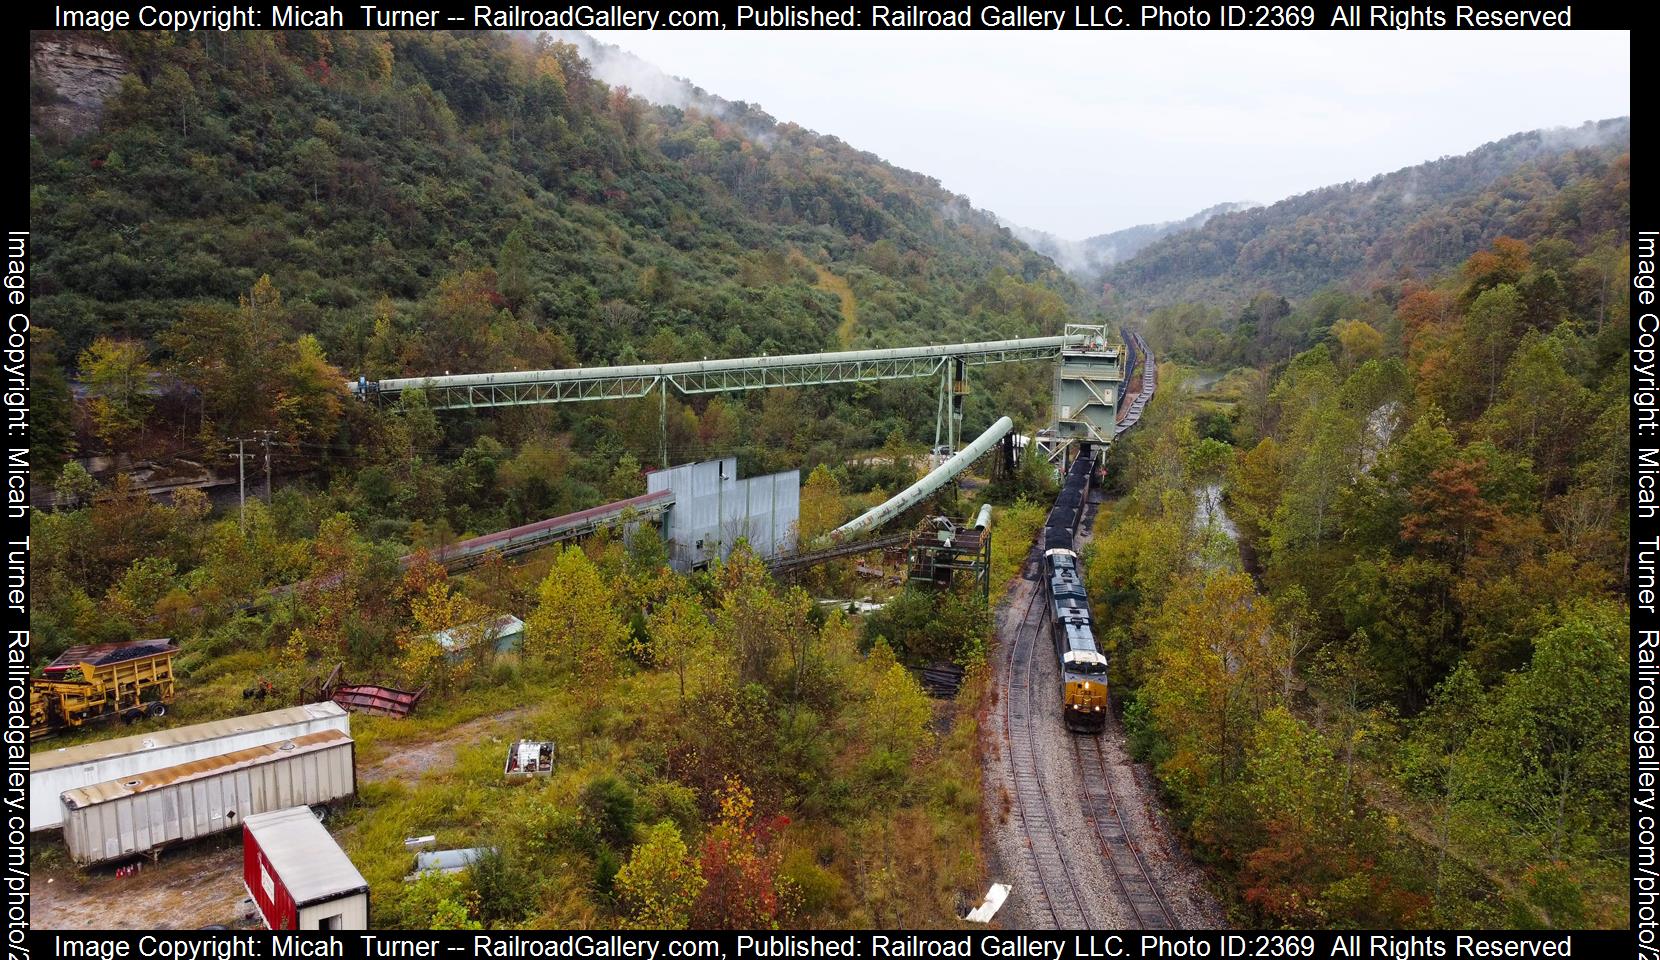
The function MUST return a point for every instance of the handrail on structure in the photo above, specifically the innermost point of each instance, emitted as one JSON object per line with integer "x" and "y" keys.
{"x": 706, "y": 376}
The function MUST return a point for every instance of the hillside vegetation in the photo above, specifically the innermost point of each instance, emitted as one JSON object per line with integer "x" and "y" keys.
{"x": 1400, "y": 699}
{"x": 464, "y": 202}
{"x": 1402, "y": 224}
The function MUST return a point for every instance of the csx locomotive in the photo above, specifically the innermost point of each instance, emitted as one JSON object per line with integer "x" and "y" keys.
{"x": 1083, "y": 667}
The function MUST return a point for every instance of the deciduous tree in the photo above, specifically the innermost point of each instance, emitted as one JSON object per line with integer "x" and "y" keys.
{"x": 118, "y": 374}
{"x": 660, "y": 882}
{"x": 575, "y": 624}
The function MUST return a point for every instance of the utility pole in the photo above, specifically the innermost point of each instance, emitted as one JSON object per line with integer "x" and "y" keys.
{"x": 241, "y": 484}
{"x": 265, "y": 440}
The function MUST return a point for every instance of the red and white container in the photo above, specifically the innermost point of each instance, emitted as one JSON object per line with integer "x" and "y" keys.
{"x": 298, "y": 877}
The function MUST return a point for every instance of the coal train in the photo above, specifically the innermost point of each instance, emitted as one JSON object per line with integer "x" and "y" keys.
{"x": 1072, "y": 628}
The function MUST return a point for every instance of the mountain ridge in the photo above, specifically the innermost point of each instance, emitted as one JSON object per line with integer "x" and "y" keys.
{"x": 1087, "y": 257}
{"x": 1410, "y": 221}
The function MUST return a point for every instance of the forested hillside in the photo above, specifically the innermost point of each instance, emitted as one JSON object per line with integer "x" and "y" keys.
{"x": 1390, "y": 690}
{"x": 433, "y": 202}
{"x": 1424, "y": 218}
{"x": 259, "y": 216}
{"x": 1088, "y": 257}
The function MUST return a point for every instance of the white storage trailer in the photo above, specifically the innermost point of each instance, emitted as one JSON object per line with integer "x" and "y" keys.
{"x": 298, "y": 877}
{"x": 51, "y": 772}
{"x": 120, "y": 818}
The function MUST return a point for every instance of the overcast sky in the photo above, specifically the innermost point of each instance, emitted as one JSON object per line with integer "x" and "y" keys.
{"x": 1081, "y": 133}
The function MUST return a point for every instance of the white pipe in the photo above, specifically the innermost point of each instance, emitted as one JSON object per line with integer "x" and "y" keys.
{"x": 984, "y": 520}
{"x": 935, "y": 479}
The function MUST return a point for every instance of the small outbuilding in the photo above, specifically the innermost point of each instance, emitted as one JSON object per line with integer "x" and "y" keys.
{"x": 298, "y": 877}
{"x": 505, "y": 633}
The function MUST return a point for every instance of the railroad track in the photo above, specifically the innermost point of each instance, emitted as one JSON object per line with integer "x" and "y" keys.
{"x": 1023, "y": 718}
{"x": 1105, "y": 815}
{"x": 1124, "y": 860}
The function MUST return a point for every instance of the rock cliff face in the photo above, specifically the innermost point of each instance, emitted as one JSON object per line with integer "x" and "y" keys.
{"x": 70, "y": 78}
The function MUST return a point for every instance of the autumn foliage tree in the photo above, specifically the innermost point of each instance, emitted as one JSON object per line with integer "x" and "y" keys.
{"x": 661, "y": 882}
{"x": 1211, "y": 676}
{"x": 441, "y": 608}
{"x": 575, "y": 625}
{"x": 739, "y": 866}
{"x": 118, "y": 374}
{"x": 680, "y": 632}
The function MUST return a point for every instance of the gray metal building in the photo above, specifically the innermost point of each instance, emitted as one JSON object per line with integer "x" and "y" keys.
{"x": 713, "y": 509}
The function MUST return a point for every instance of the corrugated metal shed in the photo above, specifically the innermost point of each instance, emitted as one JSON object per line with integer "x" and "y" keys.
{"x": 201, "y": 769}
{"x": 713, "y": 509}
{"x": 312, "y": 866}
{"x": 179, "y": 736}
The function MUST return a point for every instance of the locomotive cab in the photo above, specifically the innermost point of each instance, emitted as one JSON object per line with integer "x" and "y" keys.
{"x": 1085, "y": 692}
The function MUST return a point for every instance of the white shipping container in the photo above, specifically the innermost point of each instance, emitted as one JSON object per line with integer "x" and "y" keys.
{"x": 120, "y": 818}
{"x": 52, "y": 772}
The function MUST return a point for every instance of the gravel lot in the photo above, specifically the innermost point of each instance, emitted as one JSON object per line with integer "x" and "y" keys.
{"x": 199, "y": 883}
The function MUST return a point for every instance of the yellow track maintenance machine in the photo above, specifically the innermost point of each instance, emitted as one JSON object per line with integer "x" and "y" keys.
{"x": 127, "y": 680}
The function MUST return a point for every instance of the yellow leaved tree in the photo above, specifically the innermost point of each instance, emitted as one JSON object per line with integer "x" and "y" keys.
{"x": 575, "y": 625}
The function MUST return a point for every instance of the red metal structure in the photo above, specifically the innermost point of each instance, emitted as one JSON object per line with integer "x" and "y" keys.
{"x": 378, "y": 700}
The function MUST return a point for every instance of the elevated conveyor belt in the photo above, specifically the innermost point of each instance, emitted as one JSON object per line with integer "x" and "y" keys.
{"x": 709, "y": 376}
{"x": 514, "y": 540}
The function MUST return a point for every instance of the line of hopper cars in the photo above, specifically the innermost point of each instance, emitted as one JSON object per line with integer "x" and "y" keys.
{"x": 1072, "y": 628}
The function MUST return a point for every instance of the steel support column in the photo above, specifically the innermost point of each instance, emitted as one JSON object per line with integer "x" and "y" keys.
{"x": 959, "y": 393}
{"x": 940, "y": 409}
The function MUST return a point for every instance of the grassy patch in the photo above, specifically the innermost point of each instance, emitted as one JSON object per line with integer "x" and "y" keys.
{"x": 1012, "y": 531}
{"x": 849, "y": 326}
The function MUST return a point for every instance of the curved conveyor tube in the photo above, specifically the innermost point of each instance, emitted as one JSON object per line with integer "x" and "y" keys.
{"x": 936, "y": 478}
